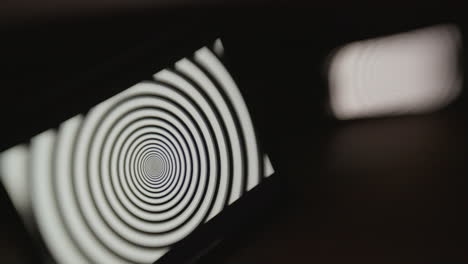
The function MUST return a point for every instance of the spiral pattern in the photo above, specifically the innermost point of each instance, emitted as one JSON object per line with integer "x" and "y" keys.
{"x": 143, "y": 169}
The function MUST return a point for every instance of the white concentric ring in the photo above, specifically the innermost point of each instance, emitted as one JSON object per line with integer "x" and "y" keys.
{"x": 142, "y": 170}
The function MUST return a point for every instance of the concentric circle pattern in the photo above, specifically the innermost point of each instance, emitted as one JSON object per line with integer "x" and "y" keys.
{"x": 145, "y": 168}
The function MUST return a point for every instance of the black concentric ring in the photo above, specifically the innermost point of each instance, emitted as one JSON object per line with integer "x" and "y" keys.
{"x": 145, "y": 168}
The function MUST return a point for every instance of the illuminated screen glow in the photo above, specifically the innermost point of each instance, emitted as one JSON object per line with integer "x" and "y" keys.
{"x": 413, "y": 72}
{"x": 142, "y": 170}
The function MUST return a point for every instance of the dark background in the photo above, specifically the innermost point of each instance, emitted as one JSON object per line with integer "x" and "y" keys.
{"x": 389, "y": 190}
